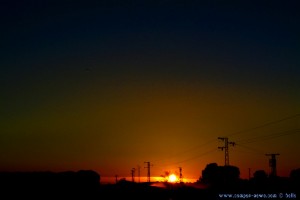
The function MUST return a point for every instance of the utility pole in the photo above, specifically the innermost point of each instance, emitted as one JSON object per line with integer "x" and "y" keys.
{"x": 272, "y": 163}
{"x": 139, "y": 173}
{"x": 180, "y": 174}
{"x": 132, "y": 174}
{"x": 249, "y": 173}
{"x": 148, "y": 174}
{"x": 116, "y": 178}
{"x": 227, "y": 143}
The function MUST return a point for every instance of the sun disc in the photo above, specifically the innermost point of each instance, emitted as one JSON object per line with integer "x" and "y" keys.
{"x": 172, "y": 178}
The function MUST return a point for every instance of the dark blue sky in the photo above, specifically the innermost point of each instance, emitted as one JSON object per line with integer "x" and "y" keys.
{"x": 243, "y": 39}
{"x": 79, "y": 74}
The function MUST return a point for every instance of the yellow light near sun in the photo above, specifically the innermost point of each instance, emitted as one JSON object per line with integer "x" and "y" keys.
{"x": 172, "y": 178}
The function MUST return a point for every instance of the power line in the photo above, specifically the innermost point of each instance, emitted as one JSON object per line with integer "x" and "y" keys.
{"x": 188, "y": 150}
{"x": 236, "y": 133}
{"x": 243, "y": 151}
{"x": 262, "y": 138}
{"x": 249, "y": 148}
{"x": 192, "y": 158}
{"x": 196, "y": 147}
{"x": 267, "y": 137}
{"x": 240, "y": 143}
{"x": 265, "y": 124}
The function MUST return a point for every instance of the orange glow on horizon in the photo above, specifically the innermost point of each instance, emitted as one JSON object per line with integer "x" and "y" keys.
{"x": 172, "y": 178}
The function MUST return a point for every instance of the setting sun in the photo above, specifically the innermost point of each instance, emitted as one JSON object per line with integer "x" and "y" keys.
{"x": 172, "y": 178}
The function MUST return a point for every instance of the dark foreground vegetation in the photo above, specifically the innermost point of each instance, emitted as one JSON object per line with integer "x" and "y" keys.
{"x": 86, "y": 184}
{"x": 41, "y": 185}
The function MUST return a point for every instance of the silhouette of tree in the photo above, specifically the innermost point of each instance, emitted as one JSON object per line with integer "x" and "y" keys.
{"x": 165, "y": 176}
{"x": 295, "y": 174}
{"x": 219, "y": 175}
{"x": 210, "y": 174}
{"x": 122, "y": 181}
{"x": 67, "y": 184}
{"x": 260, "y": 175}
{"x": 230, "y": 174}
{"x": 260, "y": 181}
{"x": 295, "y": 178}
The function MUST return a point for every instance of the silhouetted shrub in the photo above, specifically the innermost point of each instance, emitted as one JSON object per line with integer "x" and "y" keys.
{"x": 220, "y": 176}
{"x": 50, "y": 184}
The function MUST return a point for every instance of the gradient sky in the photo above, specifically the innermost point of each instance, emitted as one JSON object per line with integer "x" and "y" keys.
{"x": 108, "y": 85}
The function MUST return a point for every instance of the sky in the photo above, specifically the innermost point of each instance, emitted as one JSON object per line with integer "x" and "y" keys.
{"x": 110, "y": 85}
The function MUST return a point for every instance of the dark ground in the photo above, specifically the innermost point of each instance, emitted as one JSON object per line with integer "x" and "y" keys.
{"x": 87, "y": 185}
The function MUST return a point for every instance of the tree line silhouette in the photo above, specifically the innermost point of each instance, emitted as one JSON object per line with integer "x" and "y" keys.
{"x": 39, "y": 185}
{"x": 86, "y": 184}
{"x": 227, "y": 178}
